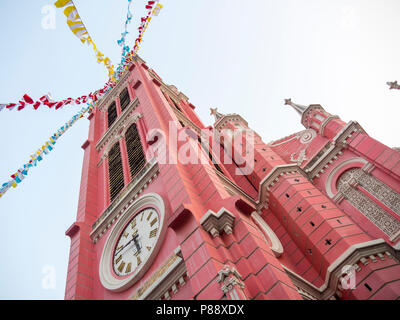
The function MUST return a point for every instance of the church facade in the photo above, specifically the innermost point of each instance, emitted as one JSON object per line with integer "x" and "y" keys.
{"x": 172, "y": 209}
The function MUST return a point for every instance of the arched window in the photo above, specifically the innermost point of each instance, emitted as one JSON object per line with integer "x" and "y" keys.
{"x": 134, "y": 148}
{"x": 124, "y": 99}
{"x": 111, "y": 114}
{"x": 116, "y": 173}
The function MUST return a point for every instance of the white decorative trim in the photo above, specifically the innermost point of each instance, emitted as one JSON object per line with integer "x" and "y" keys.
{"x": 271, "y": 178}
{"x": 121, "y": 203}
{"x": 119, "y": 134}
{"x": 113, "y": 93}
{"x": 329, "y": 181}
{"x": 119, "y": 124}
{"x": 216, "y": 223}
{"x": 334, "y": 272}
{"x": 219, "y": 125}
{"x": 331, "y": 150}
{"x": 107, "y": 279}
{"x": 230, "y": 278}
{"x": 276, "y": 245}
{"x": 170, "y": 277}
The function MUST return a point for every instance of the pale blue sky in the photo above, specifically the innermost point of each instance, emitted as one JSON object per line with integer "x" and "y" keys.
{"x": 241, "y": 56}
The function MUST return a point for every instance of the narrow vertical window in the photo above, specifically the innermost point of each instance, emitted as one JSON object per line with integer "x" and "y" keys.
{"x": 116, "y": 174}
{"x": 134, "y": 148}
{"x": 124, "y": 99}
{"x": 111, "y": 114}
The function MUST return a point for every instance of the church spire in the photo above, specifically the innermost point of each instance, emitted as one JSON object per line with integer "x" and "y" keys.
{"x": 298, "y": 107}
{"x": 217, "y": 115}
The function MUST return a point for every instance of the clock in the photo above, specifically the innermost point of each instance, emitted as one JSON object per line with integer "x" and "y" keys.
{"x": 133, "y": 243}
{"x": 136, "y": 242}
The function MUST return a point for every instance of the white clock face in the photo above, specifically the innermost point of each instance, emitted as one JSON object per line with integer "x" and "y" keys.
{"x": 136, "y": 242}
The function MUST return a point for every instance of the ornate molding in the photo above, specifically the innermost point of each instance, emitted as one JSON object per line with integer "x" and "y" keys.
{"x": 272, "y": 178}
{"x": 275, "y": 243}
{"x": 332, "y": 150}
{"x": 216, "y": 223}
{"x": 114, "y": 92}
{"x": 122, "y": 202}
{"x": 118, "y": 125}
{"x": 230, "y": 280}
{"x": 347, "y": 188}
{"x": 219, "y": 125}
{"x": 170, "y": 277}
{"x": 350, "y": 257}
{"x": 120, "y": 133}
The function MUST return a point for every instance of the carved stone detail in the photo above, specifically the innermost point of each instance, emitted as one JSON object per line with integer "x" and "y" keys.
{"x": 347, "y": 184}
{"x": 216, "y": 223}
{"x": 379, "y": 190}
{"x": 229, "y": 277}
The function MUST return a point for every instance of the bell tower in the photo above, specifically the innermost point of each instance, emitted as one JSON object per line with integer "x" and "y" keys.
{"x": 172, "y": 209}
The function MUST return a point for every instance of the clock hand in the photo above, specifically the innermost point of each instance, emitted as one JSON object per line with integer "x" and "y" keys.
{"x": 116, "y": 253}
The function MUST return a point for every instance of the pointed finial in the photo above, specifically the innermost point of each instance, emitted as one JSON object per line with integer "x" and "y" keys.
{"x": 298, "y": 107}
{"x": 217, "y": 115}
{"x": 393, "y": 85}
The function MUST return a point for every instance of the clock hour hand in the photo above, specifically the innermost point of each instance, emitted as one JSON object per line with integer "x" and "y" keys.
{"x": 134, "y": 237}
{"x": 137, "y": 243}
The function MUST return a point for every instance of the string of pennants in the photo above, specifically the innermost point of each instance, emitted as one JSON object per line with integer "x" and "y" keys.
{"x": 47, "y": 100}
{"x": 77, "y": 27}
{"x": 80, "y": 31}
{"x": 37, "y": 156}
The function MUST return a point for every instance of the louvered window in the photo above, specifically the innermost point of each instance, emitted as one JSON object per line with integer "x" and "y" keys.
{"x": 112, "y": 114}
{"x": 135, "y": 152}
{"x": 124, "y": 99}
{"x": 116, "y": 173}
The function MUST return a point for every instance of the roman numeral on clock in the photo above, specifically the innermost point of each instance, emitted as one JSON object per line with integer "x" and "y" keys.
{"x": 128, "y": 267}
{"x": 153, "y": 222}
{"x": 118, "y": 260}
{"x": 121, "y": 266}
{"x": 153, "y": 233}
{"x": 139, "y": 261}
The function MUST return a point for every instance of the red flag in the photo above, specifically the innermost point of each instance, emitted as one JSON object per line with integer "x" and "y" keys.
{"x": 50, "y": 104}
{"x": 59, "y": 105}
{"x": 44, "y": 99}
{"x": 21, "y": 105}
{"x": 36, "y": 105}
{"x": 11, "y": 106}
{"x": 28, "y": 99}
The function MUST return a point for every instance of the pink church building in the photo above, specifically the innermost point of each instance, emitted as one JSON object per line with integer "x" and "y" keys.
{"x": 314, "y": 215}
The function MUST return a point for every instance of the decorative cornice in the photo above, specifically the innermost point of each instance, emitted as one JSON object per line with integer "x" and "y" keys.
{"x": 228, "y": 118}
{"x": 116, "y": 127}
{"x": 230, "y": 278}
{"x": 114, "y": 92}
{"x": 233, "y": 187}
{"x": 273, "y": 177}
{"x": 216, "y": 223}
{"x": 307, "y": 111}
{"x": 124, "y": 199}
{"x": 331, "y": 151}
{"x": 351, "y": 257}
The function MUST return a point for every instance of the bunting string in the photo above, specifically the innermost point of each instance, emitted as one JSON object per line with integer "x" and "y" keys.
{"x": 122, "y": 42}
{"x": 77, "y": 27}
{"x": 153, "y": 8}
{"x": 37, "y": 156}
{"x": 47, "y": 100}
